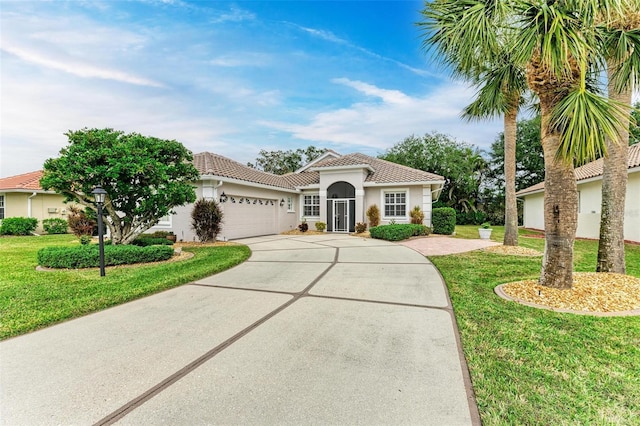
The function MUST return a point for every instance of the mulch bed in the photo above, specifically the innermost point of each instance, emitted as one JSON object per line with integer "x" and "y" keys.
{"x": 592, "y": 292}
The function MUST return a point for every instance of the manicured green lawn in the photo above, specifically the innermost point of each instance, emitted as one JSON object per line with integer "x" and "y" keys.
{"x": 30, "y": 299}
{"x": 532, "y": 366}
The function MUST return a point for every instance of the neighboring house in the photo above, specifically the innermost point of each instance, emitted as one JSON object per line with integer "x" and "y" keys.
{"x": 333, "y": 189}
{"x": 589, "y": 179}
{"x": 22, "y": 196}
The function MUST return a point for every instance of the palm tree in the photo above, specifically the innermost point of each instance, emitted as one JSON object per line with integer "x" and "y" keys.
{"x": 501, "y": 83}
{"x": 621, "y": 40}
{"x": 554, "y": 42}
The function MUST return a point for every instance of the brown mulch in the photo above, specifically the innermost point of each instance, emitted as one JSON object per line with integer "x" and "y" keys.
{"x": 199, "y": 244}
{"x": 299, "y": 232}
{"x": 593, "y": 292}
{"x": 513, "y": 251}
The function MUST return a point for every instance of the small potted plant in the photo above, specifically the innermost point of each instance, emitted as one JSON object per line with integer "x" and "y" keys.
{"x": 485, "y": 231}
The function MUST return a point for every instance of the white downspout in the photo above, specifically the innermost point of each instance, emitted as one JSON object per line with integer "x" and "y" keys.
{"x": 29, "y": 203}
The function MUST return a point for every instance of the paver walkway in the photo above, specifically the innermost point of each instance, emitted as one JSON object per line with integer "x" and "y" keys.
{"x": 436, "y": 245}
{"x": 311, "y": 330}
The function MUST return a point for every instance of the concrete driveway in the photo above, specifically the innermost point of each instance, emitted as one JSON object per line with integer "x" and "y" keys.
{"x": 324, "y": 329}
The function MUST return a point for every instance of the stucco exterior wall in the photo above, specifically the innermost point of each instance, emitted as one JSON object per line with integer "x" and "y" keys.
{"x": 533, "y": 211}
{"x": 180, "y": 223}
{"x": 417, "y": 195}
{"x": 590, "y": 209}
{"x": 43, "y": 206}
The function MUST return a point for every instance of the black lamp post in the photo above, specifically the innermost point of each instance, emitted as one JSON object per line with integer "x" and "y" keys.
{"x": 99, "y": 196}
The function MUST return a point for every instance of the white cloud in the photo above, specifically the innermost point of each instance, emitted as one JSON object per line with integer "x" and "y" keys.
{"x": 379, "y": 125}
{"x": 242, "y": 59}
{"x": 75, "y": 67}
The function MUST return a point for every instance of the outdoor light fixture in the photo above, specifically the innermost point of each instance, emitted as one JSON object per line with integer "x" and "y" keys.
{"x": 223, "y": 197}
{"x": 282, "y": 202}
{"x": 99, "y": 196}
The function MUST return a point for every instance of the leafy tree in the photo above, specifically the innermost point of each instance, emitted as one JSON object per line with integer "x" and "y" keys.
{"x": 560, "y": 48}
{"x": 529, "y": 157}
{"x": 282, "y": 162}
{"x": 461, "y": 164}
{"x": 145, "y": 177}
{"x": 206, "y": 219}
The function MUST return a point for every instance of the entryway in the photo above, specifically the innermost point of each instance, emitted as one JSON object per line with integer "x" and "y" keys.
{"x": 341, "y": 207}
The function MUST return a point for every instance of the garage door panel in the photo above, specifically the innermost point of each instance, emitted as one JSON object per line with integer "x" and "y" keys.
{"x": 249, "y": 217}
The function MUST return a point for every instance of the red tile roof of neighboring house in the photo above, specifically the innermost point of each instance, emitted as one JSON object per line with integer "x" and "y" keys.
{"x": 26, "y": 181}
{"x": 591, "y": 170}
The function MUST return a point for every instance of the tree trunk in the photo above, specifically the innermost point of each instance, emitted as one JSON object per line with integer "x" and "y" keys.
{"x": 560, "y": 189}
{"x": 560, "y": 211}
{"x": 614, "y": 190}
{"x": 511, "y": 206}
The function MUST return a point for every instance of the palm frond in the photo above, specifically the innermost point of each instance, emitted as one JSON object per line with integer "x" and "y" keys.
{"x": 585, "y": 119}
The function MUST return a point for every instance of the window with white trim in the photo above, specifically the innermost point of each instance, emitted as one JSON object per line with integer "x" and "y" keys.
{"x": 290, "y": 204}
{"x": 164, "y": 221}
{"x": 1, "y": 207}
{"x": 311, "y": 206}
{"x": 395, "y": 204}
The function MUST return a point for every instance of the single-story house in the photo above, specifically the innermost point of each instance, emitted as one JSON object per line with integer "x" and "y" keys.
{"x": 334, "y": 189}
{"x": 22, "y": 196}
{"x": 589, "y": 179}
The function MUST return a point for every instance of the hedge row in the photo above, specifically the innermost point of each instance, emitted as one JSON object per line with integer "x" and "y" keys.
{"x": 89, "y": 256}
{"x": 18, "y": 225}
{"x": 151, "y": 241}
{"x": 398, "y": 232}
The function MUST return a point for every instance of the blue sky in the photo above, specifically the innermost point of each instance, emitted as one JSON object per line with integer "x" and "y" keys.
{"x": 227, "y": 77}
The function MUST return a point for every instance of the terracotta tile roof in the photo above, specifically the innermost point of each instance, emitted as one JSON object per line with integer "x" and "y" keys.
{"x": 208, "y": 163}
{"x": 383, "y": 171}
{"x": 592, "y": 169}
{"x": 26, "y": 181}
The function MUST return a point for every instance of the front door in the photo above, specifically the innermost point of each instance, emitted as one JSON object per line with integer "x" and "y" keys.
{"x": 340, "y": 215}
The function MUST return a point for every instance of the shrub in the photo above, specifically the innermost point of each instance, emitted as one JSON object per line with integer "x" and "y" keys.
{"x": 89, "y": 256}
{"x": 398, "y": 232}
{"x": 85, "y": 239}
{"x": 80, "y": 222}
{"x": 304, "y": 226}
{"x": 144, "y": 241}
{"x": 470, "y": 218}
{"x": 443, "y": 220}
{"x": 373, "y": 214}
{"x": 156, "y": 234}
{"x": 417, "y": 215}
{"x": 321, "y": 226}
{"x": 360, "y": 227}
{"x": 206, "y": 219}
{"x": 55, "y": 226}
{"x": 18, "y": 225}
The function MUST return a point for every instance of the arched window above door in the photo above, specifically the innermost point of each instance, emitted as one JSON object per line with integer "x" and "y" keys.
{"x": 341, "y": 190}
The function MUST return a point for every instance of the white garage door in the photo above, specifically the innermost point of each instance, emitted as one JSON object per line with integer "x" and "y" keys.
{"x": 249, "y": 217}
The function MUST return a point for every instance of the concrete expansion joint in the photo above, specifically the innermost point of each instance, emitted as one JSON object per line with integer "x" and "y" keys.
{"x": 187, "y": 369}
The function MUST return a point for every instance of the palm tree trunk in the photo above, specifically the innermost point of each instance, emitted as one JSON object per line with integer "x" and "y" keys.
{"x": 511, "y": 207}
{"x": 614, "y": 190}
{"x": 560, "y": 210}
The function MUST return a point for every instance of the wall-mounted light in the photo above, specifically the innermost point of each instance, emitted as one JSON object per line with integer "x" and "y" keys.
{"x": 223, "y": 197}
{"x": 282, "y": 202}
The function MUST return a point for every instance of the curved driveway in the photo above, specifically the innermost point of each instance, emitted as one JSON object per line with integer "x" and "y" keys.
{"x": 324, "y": 329}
